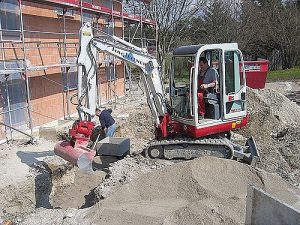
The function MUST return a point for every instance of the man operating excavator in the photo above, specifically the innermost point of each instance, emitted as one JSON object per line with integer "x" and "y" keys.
{"x": 207, "y": 81}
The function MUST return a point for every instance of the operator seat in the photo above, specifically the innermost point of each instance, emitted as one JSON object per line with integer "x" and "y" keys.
{"x": 212, "y": 106}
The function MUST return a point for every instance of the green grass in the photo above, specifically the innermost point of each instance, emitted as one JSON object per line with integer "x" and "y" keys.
{"x": 293, "y": 73}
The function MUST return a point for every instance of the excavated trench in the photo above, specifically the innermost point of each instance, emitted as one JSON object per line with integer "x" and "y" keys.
{"x": 65, "y": 186}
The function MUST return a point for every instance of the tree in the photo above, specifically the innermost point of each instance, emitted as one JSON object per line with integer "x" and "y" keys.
{"x": 219, "y": 22}
{"x": 252, "y": 39}
{"x": 172, "y": 17}
{"x": 262, "y": 28}
{"x": 281, "y": 29}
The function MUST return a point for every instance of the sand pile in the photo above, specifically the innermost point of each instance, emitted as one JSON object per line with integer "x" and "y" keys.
{"x": 123, "y": 171}
{"x": 275, "y": 122}
{"x": 200, "y": 191}
{"x": 139, "y": 126}
{"x": 134, "y": 118}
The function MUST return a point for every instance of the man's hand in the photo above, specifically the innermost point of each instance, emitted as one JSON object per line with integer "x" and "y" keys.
{"x": 204, "y": 86}
{"x": 210, "y": 85}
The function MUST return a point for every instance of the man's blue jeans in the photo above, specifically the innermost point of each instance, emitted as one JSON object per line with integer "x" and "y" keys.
{"x": 111, "y": 130}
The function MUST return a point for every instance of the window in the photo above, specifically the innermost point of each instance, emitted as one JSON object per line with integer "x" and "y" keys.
{"x": 70, "y": 80}
{"x": 107, "y": 3}
{"x": 233, "y": 81}
{"x": 213, "y": 57}
{"x": 110, "y": 71}
{"x": 10, "y": 19}
{"x": 181, "y": 67}
{"x": 13, "y": 96}
{"x": 110, "y": 28}
{"x": 86, "y": 17}
{"x": 68, "y": 13}
{"x": 69, "y": 75}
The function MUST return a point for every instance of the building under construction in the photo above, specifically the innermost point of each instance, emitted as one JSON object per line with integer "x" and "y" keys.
{"x": 38, "y": 47}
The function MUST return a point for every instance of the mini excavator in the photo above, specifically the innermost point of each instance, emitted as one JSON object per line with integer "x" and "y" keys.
{"x": 180, "y": 132}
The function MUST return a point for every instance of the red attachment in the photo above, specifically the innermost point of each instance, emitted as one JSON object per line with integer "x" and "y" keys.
{"x": 72, "y": 153}
{"x": 77, "y": 148}
{"x": 256, "y": 73}
{"x": 82, "y": 129}
{"x": 163, "y": 125}
{"x": 168, "y": 128}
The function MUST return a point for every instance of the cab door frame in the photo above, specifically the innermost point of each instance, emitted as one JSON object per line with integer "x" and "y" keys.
{"x": 237, "y": 97}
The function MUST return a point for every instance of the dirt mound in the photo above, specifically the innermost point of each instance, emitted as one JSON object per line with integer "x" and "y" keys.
{"x": 274, "y": 122}
{"x": 123, "y": 171}
{"x": 139, "y": 126}
{"x": 192, "y": 192}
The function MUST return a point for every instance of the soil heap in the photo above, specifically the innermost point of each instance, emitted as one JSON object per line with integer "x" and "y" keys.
{"x": 199, "y": 191}
{"x": 275, "y": 125}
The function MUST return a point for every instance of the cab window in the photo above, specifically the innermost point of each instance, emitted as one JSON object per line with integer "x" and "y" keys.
{"x": 233, "y": 79}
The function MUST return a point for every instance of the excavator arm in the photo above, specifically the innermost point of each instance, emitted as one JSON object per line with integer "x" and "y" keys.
{"x": 125, "y": 51}
{"x": 80, "y": 150}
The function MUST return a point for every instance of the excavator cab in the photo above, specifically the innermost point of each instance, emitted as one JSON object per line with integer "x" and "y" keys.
{"x": 225, "y": 107}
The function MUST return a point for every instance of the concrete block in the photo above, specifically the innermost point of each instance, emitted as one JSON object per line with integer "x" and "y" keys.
{"x": 113, "y": 146}
{"x": 262, "y": 208}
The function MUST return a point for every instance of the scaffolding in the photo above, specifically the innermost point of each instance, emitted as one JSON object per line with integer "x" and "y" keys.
{"x": 15, "y": 72}
{"x": 135, "y": 34}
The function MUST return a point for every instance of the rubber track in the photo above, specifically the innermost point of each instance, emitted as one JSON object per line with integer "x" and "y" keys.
{"x": 225, "y": 143}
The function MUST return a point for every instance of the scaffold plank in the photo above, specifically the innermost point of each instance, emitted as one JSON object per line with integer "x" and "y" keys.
{"x": 36, "y": 68}
{"x": 9, "y": 71}
{"x": 45, "y": 67}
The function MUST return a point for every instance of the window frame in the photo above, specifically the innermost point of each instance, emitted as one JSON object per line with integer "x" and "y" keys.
{"x": 70, "y": 75}
{"x": 10, "y": 31}
{"x": 14, "y": 111}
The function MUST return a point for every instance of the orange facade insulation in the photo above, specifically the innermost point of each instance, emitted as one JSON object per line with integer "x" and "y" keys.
{"x": 47, "y": 99}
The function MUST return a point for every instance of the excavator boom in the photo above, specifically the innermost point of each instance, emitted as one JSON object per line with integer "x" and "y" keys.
{"x": 124, "y": 51}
